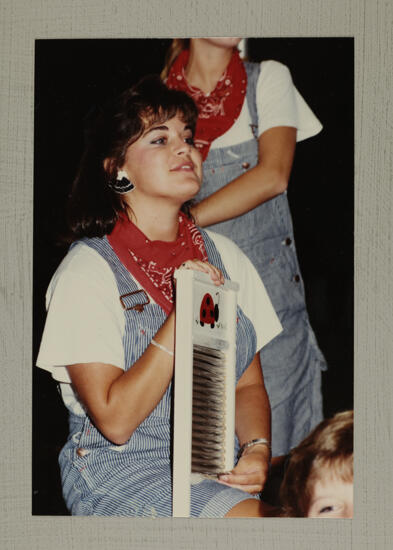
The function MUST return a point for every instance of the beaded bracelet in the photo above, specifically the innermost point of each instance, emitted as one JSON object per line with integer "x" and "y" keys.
{"x": 260, "y": 441}
{"x": 160, "y": 346}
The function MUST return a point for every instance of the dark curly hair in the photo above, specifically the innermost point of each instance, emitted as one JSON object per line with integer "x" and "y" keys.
{"x": 93, "y": 207}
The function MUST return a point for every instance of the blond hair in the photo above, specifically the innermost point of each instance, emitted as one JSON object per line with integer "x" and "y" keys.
{"x": 328, "y": 447}
{"x": 177, "y": 46}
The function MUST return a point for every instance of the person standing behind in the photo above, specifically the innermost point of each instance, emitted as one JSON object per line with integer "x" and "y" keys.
{"x": 250, "y": 117}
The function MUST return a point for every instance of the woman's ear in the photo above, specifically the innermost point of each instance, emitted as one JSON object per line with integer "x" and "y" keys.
{"x": 109, "y": 166}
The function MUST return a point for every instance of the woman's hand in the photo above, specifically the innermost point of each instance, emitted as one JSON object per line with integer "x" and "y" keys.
{"x": 198, "y": 265}
{"x": 250, "y": 473}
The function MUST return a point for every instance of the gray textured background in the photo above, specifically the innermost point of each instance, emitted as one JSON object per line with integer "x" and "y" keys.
{"x": 370, "y": 22}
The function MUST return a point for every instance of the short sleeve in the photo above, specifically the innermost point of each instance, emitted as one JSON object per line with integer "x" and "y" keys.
{"x": 280, "y": 104}
{"x": 252, "y": 296}
{"x": 85, "y": 322}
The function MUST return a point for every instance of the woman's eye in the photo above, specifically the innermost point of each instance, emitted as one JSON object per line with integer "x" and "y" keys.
{"x": 326, "y": 509}
{"x": 159, "y": 141}
{"x": 190, "y": 140}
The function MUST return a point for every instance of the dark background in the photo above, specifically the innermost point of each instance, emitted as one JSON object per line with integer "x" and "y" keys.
{"x": 74, "y": 77}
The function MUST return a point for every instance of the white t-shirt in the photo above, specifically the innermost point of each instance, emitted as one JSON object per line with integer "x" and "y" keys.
{"x": 278, "y": 104}
{"x": 85, "y": 321}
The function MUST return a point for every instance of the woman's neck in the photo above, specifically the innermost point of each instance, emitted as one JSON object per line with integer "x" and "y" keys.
{"x": 157, "y": 225}
{"x": 206, "y": 64}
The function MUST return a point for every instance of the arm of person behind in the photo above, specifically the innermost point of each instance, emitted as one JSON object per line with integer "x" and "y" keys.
{"x": 252, "y": 419}
{"x": 266, "y": 180}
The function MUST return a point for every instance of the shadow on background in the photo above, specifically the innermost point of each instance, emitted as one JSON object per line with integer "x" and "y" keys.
{"x": 75, "y": 77}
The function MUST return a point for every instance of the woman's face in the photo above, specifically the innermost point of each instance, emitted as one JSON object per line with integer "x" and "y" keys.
{"x": 163, "y": 163}
{"x": 223, "y": 42}
{"x": 331, "y": 498}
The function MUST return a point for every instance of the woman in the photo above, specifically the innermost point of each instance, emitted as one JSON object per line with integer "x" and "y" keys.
{"x": 250, "y": 117}
{"x": 114, "y": 363}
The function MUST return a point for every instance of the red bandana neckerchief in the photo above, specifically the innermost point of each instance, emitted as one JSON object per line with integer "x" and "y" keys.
{"x": 217, "y": 110}
{"x": 153, "y": 263}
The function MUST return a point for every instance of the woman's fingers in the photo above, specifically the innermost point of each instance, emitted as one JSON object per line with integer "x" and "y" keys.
{"x": 249, "y": 474}
{"x": 198, "y": 265}
{"x": 251, "y": 483}
{"x": 254, "y": 481}
{"x": 242, "y": 479}
{"x": 252, "y": 489}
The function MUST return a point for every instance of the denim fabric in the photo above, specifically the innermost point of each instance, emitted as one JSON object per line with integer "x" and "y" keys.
{"x": 134, "y": 479}
{"x": 292, "y": 361}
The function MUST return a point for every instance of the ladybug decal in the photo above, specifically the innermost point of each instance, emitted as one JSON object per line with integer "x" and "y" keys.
{"x": 209, "y": 311}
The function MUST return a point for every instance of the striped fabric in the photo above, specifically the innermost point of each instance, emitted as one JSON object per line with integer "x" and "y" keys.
{"x": 134, "y": 479}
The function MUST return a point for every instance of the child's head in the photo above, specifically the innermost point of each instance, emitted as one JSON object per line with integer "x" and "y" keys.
{"x": 319, "y": 479}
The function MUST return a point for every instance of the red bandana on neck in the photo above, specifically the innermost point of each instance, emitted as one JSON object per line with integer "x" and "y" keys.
{"x": 219, "y": 109}
{"x": 153, "y": 263}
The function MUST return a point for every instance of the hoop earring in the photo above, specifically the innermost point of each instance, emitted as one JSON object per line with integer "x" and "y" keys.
{"x": 121, "y": 184}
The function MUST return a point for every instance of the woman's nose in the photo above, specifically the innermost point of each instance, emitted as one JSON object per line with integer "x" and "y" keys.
{"x": 182, "y": 146}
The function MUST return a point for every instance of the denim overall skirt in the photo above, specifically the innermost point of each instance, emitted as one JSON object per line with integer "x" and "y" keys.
{"x": 291, "y": 362}
{"x": 135, "y": 479}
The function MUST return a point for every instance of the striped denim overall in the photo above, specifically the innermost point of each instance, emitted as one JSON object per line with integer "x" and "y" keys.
{"x": 291, "y": 362}
{"x": 134, "y": 479}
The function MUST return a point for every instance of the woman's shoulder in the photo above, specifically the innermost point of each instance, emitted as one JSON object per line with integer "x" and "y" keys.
{"x": 270, "y": 69}
{"x": 236, "y": 262}
{"x": 234, "y": 259}
{"x": 80, "y": 259}
{"x": 272, "y": 76}
{"x": 81, "y": 263}
{"x": 223, "y": 243}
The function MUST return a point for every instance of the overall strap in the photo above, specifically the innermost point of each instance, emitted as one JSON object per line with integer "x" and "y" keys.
{"x": 213, "y": 255}
{"x": 253, "y": 70}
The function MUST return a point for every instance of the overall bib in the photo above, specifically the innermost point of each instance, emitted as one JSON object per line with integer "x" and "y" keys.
{"x": 291, "y": 362}
{"x": 134, "y": 479}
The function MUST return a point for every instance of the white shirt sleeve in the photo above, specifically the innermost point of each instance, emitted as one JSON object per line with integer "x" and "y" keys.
{"x": 252, "y": 296}
{"x": 85, "y": 321}
{"x": 280, "y": 104}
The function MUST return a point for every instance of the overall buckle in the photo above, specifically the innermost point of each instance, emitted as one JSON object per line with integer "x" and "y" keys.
{"x": 125, "y": 301}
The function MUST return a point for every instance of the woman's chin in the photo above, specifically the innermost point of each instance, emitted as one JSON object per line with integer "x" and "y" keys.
{"x": 190, "y": 188}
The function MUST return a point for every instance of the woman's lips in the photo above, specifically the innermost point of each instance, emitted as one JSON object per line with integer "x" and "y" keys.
{"x": 184, "y": 166}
